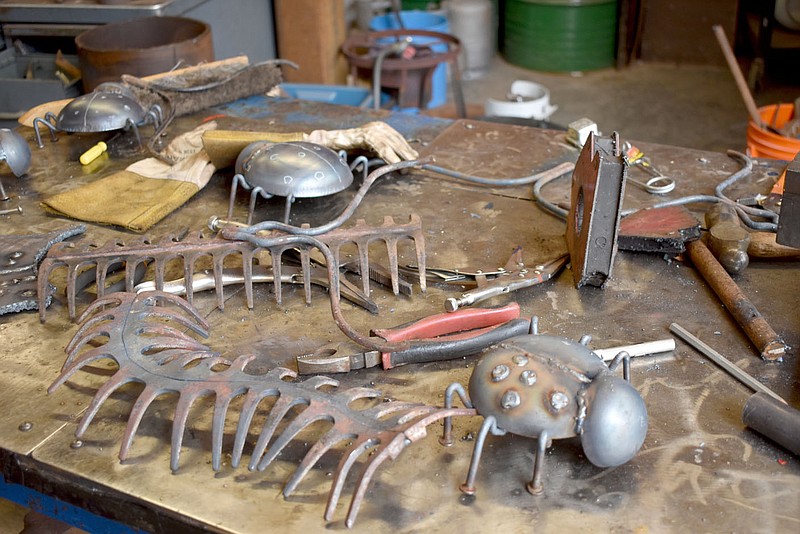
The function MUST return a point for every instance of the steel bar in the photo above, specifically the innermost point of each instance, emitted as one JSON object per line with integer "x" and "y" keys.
{"x": 723, "y": 362}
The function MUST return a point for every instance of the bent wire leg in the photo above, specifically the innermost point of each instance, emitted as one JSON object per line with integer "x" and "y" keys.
{"x": 253, "y": 196}
{"x": 625, "y": 358}
{"x": 288, "y": 208}
{"x": 447, "y": 433}
{"x": 489, "y": 425}
{"x": 130, "y": 124}
{"x": 535, "y": 486}
{"x": 36, "y": 122}
{"x": 237, "y": 179}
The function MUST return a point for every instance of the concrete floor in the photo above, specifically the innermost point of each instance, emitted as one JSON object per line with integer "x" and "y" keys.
{"x": 684, "y": 105}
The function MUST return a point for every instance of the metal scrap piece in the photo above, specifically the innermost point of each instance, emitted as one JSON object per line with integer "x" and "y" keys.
{"x": 598, "y": 187}
{"x": 20, "y": 257}
{"x": 789, "y": 221}
{"x": 144, "y": 334}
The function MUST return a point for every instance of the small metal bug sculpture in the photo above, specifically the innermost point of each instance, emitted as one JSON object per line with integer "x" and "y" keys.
{"x": 548, "y": 387}
{"x": 109, "y": 107}
{"x": 291, "y": 170}
{"x": 14, "y": 150}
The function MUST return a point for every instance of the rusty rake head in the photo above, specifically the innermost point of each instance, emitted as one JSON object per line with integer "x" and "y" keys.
{"x": 132, "y": 254}
{"x": 144, "y": 335}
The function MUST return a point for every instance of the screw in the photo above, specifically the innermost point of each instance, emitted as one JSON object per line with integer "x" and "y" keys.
{"x": 18, "y": 209}
{"x": 26, "y": 426}
{"x": 76, "y": 444}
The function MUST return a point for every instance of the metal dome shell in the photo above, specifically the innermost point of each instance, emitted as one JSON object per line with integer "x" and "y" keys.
{"x": 616, "y": 421}
{"x": 297, "y": 169}
{"x": 100, "y": 111}
{"x": 14, "y": 150}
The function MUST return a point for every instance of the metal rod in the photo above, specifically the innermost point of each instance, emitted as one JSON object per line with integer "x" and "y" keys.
{"x": 766, "y": 340}
{"x": 723, "y": 362}
{"x": 639, "y": 349}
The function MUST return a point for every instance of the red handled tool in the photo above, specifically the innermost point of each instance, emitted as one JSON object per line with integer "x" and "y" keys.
{"x": 444, "y": 336}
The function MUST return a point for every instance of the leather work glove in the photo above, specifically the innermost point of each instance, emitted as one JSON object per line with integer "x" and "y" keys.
{"x": 224, "y": 146}
{"x": 145, "y": 192}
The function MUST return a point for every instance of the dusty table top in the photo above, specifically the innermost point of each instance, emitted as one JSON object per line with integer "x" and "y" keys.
{"x": 699, "y": 469}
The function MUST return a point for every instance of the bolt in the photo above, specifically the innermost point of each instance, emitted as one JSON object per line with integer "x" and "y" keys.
{"x": 500, "y": 373}
{"x": 18, "y": 209}
{"x": 558, "y": 400}
{"x": 510, "y": 399}
{"x": 520, "y": 359}
{"x": 528, "y": 377}
{"x": 26, "y": 426}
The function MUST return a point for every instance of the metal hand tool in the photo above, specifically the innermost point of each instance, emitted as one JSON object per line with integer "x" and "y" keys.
{"x": 510, "y": 279}
{"x": 659, "y": 184}
{"x": 439, "y": 337}
{"x": 204, "y": 280}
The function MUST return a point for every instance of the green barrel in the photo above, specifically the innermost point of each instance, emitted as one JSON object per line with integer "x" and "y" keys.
{"x": 422, "y": 5}
{"x": 560, "y": 35}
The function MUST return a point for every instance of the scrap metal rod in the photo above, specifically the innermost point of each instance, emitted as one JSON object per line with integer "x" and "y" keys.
{"x": 766, "y": 340}
{"x": 723, "y": 362}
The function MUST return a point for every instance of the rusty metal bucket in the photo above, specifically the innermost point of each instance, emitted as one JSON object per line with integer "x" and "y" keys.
{"x": 141, "y": 47}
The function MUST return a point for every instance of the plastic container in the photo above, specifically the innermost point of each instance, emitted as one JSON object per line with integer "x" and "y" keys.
{"x": 526, "y": 100}
{"x": 332, "y": 94}
{"x": 421, "y": 20}
{"x": 764, "y": 144}
{"x": 560, "y": 35}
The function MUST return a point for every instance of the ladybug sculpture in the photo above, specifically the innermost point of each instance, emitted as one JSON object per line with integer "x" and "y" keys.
{"x": 109, "y": 107}
{"x": 292, "y": 170}
{"x": 549, "y": 387}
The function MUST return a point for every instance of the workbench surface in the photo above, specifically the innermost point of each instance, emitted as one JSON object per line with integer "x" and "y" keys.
{"x": 700, "y": 469}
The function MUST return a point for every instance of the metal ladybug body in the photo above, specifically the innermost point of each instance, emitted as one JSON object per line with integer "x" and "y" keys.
{"x": 109, "y": 107}
{"x": 549, "y": 387}
{"x": 292, "y": 170}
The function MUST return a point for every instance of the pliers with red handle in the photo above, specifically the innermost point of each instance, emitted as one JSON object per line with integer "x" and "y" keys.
{"x": 444, "y": 336}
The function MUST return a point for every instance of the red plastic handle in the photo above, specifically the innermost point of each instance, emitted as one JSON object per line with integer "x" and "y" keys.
{"x": 449, "y": 323}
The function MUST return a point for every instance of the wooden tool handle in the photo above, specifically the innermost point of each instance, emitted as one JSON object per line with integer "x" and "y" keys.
{"x": 763, "y": 246}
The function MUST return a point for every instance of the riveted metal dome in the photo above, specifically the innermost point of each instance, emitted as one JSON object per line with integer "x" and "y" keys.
{"x": 100, "y": 111}
{"x": 297, "y": 170}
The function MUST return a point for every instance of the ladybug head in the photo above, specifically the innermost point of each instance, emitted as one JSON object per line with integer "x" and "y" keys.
{"x": 616, "y": 421}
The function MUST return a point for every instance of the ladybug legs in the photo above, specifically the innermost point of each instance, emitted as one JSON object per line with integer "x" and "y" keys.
{"x": 625, "y": 358}
{"x": 237, "y": 179}
{"x": 48, "y": 121}
{"x": 535, "y": 486}
{"x": 447, "y": 433}
{"x": 489, "y": 425}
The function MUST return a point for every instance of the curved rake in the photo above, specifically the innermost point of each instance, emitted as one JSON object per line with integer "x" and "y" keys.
{"x": 144, "y": 334}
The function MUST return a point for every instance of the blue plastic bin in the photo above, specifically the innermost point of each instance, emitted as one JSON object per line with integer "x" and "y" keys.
{"x": 421, "y": 20}
{"x": 331, "y": 94}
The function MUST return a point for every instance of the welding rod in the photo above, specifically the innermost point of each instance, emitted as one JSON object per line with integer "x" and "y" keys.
{"x": 766, "y": 340}
{"x": 723, "y": 362}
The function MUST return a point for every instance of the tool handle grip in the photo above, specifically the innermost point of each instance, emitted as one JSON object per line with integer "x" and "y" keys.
{"x": 779, "y": 422}
{"x": 449, "y": 323}
{"x": 453, "y": 348}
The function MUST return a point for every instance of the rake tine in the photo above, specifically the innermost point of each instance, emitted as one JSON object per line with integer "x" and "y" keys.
{"x": 247, "y": 270}
{"x": 71, "y": 284}
{"x": 100, "y": 304}
{"x": 185, "y": 402}
{"x": 70, "y": 368}
{"x": 100, "y": 275}
{"x": 345, "y": 464}
{"x": 218, "y": 266}
{"x": 292, "y": 429}
{"x": 305, "y": 265}
{"x": 188, "y": 278}
{"x": 45, "y": 270}
{"x": 81, "y": 337}
{"x": 160, "y": 273}
{"x": 276, "y": 415}
{"x": 146, "y": 397}
{"x": 249, "y": 405}
{"x": 374, "y": 462}
{"x": 391, "y": 247}
{"x": 130, "y": 274}
{"x": 218, "y": 428}
{"x": 363, "y": 263}
{"x": 313, "y": 455}
{"x": 99, "y": 398}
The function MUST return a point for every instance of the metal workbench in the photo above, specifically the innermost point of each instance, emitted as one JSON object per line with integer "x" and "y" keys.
{"x": 700, "y": 469}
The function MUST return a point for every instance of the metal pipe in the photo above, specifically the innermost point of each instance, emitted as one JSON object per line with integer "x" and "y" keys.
{"x": 766, "y": 340}
{"x": 778, "y": 422}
